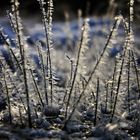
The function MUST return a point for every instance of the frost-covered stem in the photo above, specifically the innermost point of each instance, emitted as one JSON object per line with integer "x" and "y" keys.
{"x": 8, "y": 98}
{"x": 9, "y": 48}
{"x": 75, "y": 71}
{"x": 106, "y": 101}
{"x": 92, "y": 73}
{"x": 12, "y": 21}
{"x": 27, "y": 94}
{"x": 18, "y": 64}
{"x": 48, "y": 41}
{"x": 128, "y": 82}
{"x": 101, "y": 55}
{"x": 22, "y": 54}
{"x": 118, "y": 86}
{"x": 131, "y": 12}
{"x": 129, "y": 20}
{"x": 3, "y": 37}
{"x": 20, "y": 116}
{"x": 96, "y": 103}
{"x": 136, "y": 72}
{"x": 71, "y": 75}
{"x": 17, "y": 29}
{"x": 43, "y": 73}
{"x": 112, "y": 85}
{"x": 17, "y": 92}
{"x": 36, "y": 88}
{"x": 12, "y": 82}
{"x": 71, "y": 69}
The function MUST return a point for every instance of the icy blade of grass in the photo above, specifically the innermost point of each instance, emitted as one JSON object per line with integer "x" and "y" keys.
{"x": 43, "y": 71}
{"x": 50, "y": 13}
{"x": 118, "y": 83}
{"x": 37, "y": 89}
{"x": 112, "y": 85}
{"x": 70, "y": 79}
{"x": 71, "y": 69}
{"x": 136, "y": 72}
{"x": 106, "y": 102}
{"x": 96, "y": 103}
{"x": 92, "y": 73}
{"x": 9, "y": 48}
{"x": 76, "y": 69}
{"x": 20, "y": 44}
{"x": 14, "y": 86}
{"x": 8, "y": 98}
{"x": 128, "y": 82}
{"x": 47, "y": 23}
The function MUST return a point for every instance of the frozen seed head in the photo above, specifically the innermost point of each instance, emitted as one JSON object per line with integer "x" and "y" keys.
{"x": 131, "y": 10}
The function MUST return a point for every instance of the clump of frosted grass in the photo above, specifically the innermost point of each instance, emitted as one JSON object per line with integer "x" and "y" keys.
{"x": 92, "y": 90}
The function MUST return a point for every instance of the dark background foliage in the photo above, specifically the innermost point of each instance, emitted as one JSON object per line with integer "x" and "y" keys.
{"x": 92, "y": 7}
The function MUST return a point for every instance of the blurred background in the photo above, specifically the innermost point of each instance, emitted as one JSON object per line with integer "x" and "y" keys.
{"x": 66, "y": 34}
{"x": 91, "y": 7}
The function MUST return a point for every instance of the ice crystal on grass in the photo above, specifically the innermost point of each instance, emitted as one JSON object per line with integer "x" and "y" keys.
{"x": 84, "y": 50}
{"x": 47, "y": 22}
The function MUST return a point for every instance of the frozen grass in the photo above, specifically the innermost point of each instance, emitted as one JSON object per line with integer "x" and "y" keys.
{"x": 84, "y": 93}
